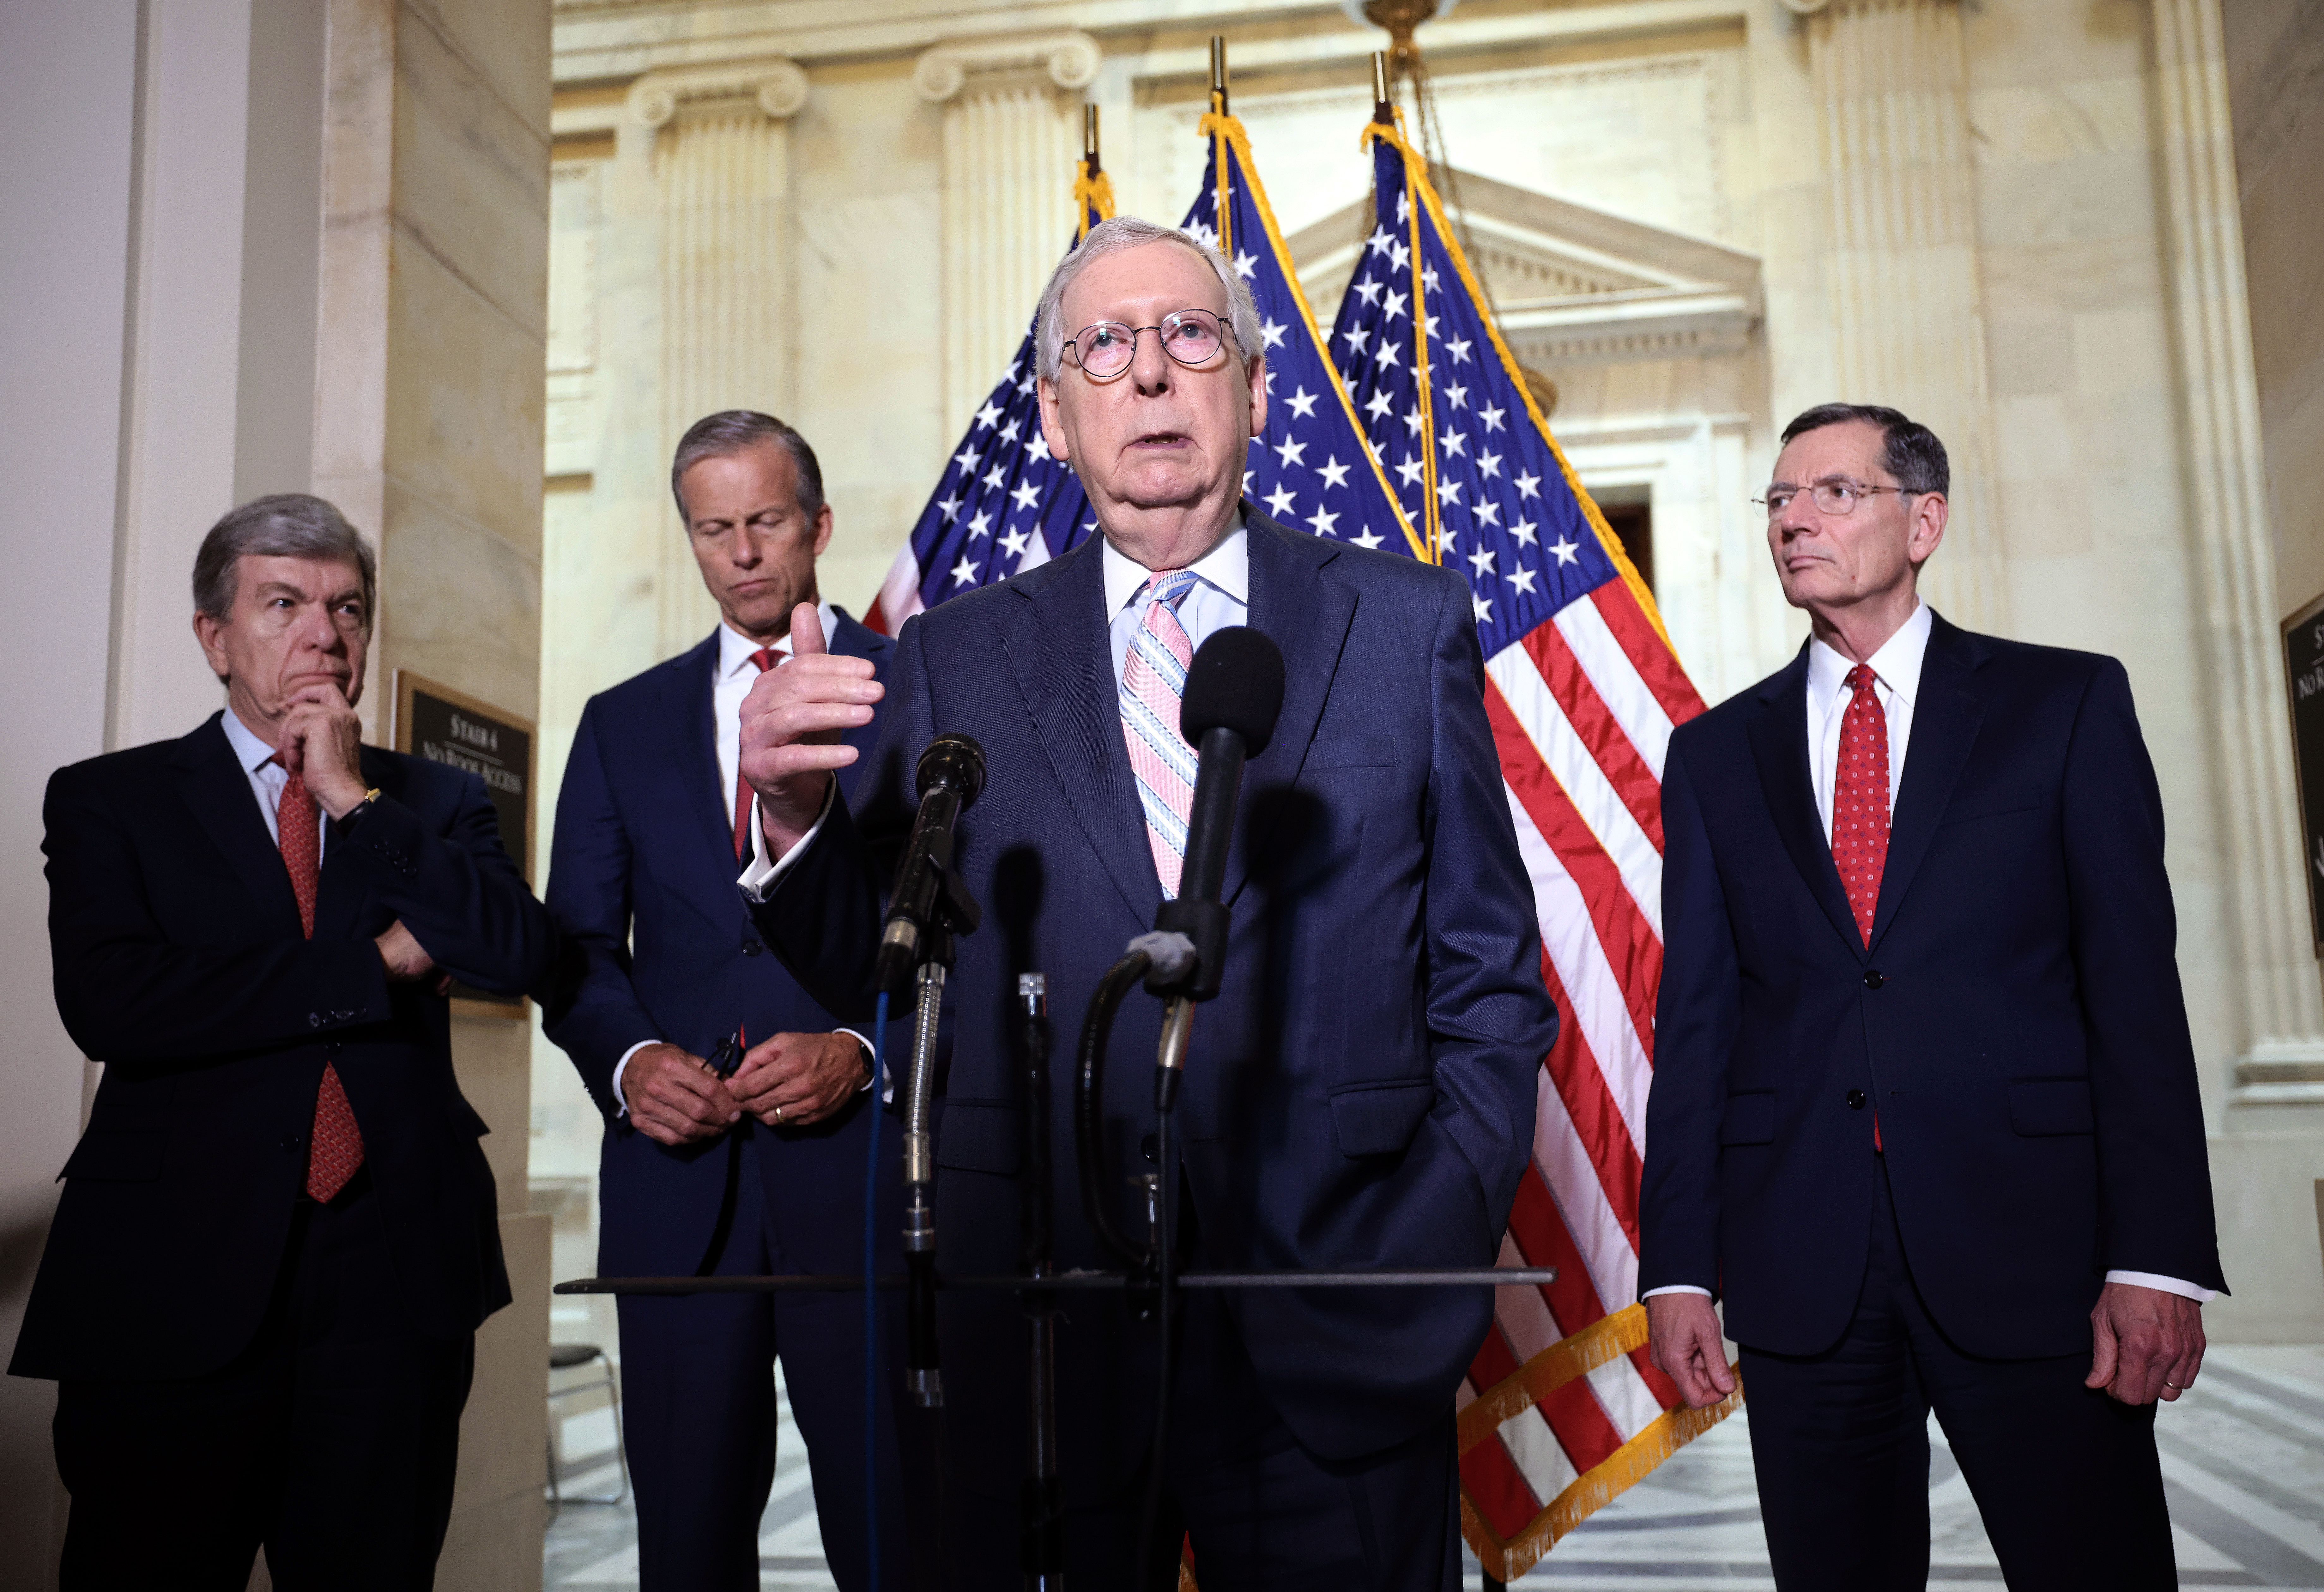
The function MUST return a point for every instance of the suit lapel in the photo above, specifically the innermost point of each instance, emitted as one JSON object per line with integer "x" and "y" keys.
{"x": 1779, "y": 744}
{"x": 1058, "y": 646}
{"x": 689, "y": 720}
{"x": 338, "y": 895}
{"x": 1306, "y": 614}
{"x": 216, "y": 789}
{"x": 1945, "y": 724}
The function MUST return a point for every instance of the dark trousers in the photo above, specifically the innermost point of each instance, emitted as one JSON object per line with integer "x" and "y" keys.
{"x": 2066, "y": 1478}
{"x": 1263, "y": 1514}
{"x": 330, "y": 1440}
{"x": 699, "y": 1413}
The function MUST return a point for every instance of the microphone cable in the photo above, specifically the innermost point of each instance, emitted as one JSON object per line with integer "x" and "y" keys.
{"x": 871, "y": 1298}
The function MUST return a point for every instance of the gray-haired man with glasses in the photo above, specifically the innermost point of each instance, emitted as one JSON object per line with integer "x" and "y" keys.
{"x": 1362, "y": 1089}
{"x": 1924, "y": 1106}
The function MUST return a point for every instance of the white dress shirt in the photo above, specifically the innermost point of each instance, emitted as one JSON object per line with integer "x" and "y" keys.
{"x": 267, "y": 777}
{"x": 736, "y": 674}
{"x": 1896, "y": 682}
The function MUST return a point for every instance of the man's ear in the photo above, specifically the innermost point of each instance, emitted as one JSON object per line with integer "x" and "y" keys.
{"x": 1930, "y": 512}
{"x": 211, "y": 635}
{"x": 1255, "y": 368}
{"x": 1053, "y": 421}
{"x": 822, "y": 529}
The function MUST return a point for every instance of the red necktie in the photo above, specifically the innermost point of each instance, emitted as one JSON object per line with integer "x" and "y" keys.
{"x": 766, "y": 658}
{"x": 335, "y": 1148}
{"x": 1859, "y": 807}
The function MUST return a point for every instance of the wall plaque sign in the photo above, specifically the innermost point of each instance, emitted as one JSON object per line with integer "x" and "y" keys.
{"x": 447, "y": 726}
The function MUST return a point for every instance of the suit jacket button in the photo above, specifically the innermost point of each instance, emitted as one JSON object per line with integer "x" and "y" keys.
{"x": 293, "y": 1142}
{"x": 752, "y": 946}
{"x": 1855, "y": 1099}
{"x": 314, "y": 1020}
{"x": 1873, "y": 981}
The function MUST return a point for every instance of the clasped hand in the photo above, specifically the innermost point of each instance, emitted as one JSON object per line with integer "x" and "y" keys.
{"x": 792, "y": 721}
{"x": 791, "y": 1080}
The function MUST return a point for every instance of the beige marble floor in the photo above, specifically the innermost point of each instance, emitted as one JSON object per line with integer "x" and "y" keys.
{"x": 2243, "y": 1458}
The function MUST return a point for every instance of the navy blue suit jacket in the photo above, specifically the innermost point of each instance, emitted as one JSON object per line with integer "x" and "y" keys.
{"x": 2017, "y": 1021}
{"x": 1361, "y": 1092}
{"x": 181, "y": 963}
{"x": 641, "y": 881}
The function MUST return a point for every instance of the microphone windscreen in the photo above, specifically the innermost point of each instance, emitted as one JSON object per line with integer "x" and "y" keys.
{"x": 955, "y": 763}
{"x": 1235, "y": 683}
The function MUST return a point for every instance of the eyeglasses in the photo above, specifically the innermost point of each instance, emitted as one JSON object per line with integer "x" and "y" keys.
{"x": 1189, "y": 337}
{"x": 1834, "y": 495}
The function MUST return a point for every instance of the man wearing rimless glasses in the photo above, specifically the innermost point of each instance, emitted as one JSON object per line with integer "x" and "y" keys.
{"x": 1361, "y": 1093}
{"x": 1924, "y": 1108}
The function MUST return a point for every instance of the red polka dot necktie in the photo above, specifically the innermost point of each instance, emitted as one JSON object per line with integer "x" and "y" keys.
{"x": 1859, "y": 807}
{"x": 1860, "y": 800}
{"x": 335, "y": 1148}
{"x": 766, "y": 658}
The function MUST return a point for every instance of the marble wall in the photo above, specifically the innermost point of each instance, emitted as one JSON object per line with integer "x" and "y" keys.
{"x": 2008, "y": 218}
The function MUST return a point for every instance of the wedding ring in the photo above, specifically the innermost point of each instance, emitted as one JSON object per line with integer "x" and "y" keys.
{"x": 778, "y": 1114}
{"x": 2174, "y": 1387}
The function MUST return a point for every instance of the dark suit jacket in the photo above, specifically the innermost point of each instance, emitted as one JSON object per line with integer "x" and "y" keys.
{"x": 1362, "y": 1093}
{"x": 641, "y": 881}
{"x": 2017, "y": 1020}
{"x": 180, "y": 964}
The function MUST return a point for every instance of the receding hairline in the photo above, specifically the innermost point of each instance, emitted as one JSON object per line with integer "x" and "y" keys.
{"x": 1190, "y": 247}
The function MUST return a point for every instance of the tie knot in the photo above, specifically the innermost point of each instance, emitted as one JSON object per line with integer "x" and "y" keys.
{"x": 1861, "y": 678}
{"x": 1170, "y": 586}
{"x": 766, "y": 658}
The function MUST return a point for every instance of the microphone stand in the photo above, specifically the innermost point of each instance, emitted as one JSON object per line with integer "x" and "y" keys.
{"x": 1042, "y": 1540}
{"x": 953, "y": 911}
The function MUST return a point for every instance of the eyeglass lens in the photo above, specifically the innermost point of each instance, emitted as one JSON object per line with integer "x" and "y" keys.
{"x": 1189, "y": 337}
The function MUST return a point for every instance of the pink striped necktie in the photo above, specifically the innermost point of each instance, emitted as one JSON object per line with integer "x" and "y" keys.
{"x": 1153, "y": 677}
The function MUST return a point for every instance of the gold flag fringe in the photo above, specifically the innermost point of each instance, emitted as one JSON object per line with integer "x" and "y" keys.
{"x": 1537, "y": 1379}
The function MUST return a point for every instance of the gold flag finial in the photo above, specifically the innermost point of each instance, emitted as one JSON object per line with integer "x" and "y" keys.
{"x": 1218, "y": 73}
{"x": 1383, "y": 108}
{"x": 1089, "y": 135}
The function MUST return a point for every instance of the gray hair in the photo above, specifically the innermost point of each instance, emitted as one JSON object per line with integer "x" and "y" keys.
{"x": 1113, "y": 237}
{"x": 1909, "y": 450}
{"x": 285, "y": 525}
{"x": 733, "y": 432}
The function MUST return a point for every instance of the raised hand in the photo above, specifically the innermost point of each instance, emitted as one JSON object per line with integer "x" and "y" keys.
{"x": 792, "y": 721}
{"x": 320, "y": 736}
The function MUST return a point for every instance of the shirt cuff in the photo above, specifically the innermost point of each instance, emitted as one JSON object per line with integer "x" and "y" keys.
{"x": 1676, "y": 1288}
{"x": 759, "y": 879}
{"x": 621, "y": 1099}
{"x": 865, "y": 1041}
{"x": 2183, "y": 1289}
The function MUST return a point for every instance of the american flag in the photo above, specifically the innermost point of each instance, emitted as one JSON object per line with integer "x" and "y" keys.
{"x": 1583, "y": 690}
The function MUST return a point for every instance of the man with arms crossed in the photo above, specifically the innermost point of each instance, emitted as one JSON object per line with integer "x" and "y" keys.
{"x": 1361, "y": 1092}
{"x": 1924, "y": 1104}
{"x": 761, "y": 1172}
{"x": 279, "y": 1233}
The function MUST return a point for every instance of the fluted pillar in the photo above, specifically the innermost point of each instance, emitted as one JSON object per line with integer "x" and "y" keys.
{"x": 2226, "y": 515}
{"x": 1010, "y": 138}
{"x": 722, "y": 161}
{"x": 1908, "y": 324}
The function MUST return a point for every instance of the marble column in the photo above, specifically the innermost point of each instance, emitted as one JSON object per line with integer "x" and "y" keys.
{"x": 1908, "y": 327}
{"x": 1012, "y": 135}
{"x": 2226, "y": 517}
{"x": 430, "y": 357}
{"x": 722, "y": 161}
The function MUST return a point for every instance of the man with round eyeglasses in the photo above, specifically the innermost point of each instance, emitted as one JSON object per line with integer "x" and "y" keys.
{"x": 1361, "y": 1092}
{"x": 1925, "y": 1108}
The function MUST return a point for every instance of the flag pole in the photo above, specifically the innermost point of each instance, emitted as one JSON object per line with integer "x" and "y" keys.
{"x": 1092, "y": 189}
{"x": 1383, "y": 107}
{"x": 1219, "y": 142}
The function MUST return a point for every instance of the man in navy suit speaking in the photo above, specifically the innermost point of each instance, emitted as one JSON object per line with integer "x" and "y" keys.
{"x": 1361, "y": 1092}
{"x": 760, "y": 1172}
{"x": 1924, "y": 1106}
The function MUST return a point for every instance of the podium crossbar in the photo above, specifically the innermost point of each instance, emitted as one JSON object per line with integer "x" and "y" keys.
{"x": 1476, "y": 1277}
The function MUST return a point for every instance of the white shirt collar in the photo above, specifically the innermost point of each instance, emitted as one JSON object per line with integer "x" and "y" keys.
{"x": 1898, "y": 664}
{"x": 734, "y": 648}
{"x": 252, "y": 753}
{"x": 1226, "y": 567}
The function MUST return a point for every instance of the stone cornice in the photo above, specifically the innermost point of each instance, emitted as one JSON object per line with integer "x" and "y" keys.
{"x": 773, "y": 82}
{"x": 1070, "y": 57}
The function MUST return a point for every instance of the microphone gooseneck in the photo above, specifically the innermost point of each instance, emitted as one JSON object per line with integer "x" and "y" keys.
{"x": 950, "y": 777}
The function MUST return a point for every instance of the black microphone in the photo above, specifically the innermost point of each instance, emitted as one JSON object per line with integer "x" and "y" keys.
{"x": 1234, "y": 690}
{"x": 950, "y": 778}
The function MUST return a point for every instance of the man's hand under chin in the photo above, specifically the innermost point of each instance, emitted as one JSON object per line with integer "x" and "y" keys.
{"x": 321, "y": 738}
{"x": 792, "y": 721}
{"x": 2146, "y": 1344}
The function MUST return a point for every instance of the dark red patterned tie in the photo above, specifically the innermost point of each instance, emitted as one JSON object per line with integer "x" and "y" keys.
{"x": 1859, "y": 808}
{"x": 336, "y": 1149}
{"x": 766, "y": 658}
